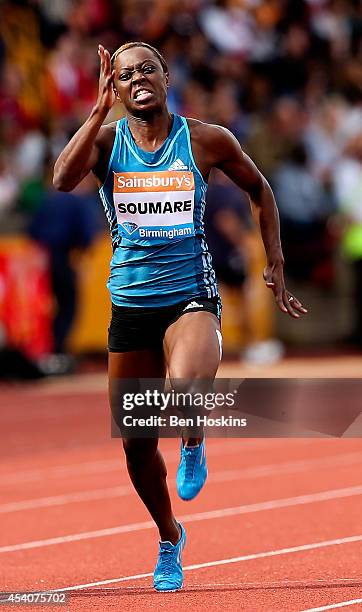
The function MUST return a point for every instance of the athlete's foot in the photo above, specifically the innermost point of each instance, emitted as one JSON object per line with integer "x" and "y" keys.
{"x": 168, "y": 574}
{"x": 192, "y": 470}
{"x": 192, "y": 441}
{"x": 171, "y": 534}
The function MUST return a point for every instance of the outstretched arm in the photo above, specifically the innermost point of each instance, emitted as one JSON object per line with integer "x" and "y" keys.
{"x": 242, "y": 170}
{"x": 83, "y": 151}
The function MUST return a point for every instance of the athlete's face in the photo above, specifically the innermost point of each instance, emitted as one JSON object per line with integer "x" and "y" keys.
{"x": 140, "y": 81}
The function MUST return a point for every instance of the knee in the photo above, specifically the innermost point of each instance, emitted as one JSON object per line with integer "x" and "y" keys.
{"x": 195, "y": 369}
{"x": 192, "y": 384}
{"x": 140, "y": 452}
{"x": 190, "y": 395}
{"x": 188, "y": 371}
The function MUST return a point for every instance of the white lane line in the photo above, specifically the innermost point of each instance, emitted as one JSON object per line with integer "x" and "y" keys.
{"x": 284, "y": 584}
{"x": 69, "y": 498}
{"x": 342, "y": 604}
{"x": 88, "y": 467}
{"x": 189, "y": 518}
{"x": 110, "y": 465}
{"x": 117, "y": 464}
{"x": 259, "y": 471}
{"x": 241, "y": 585}
{"x": 260, "y": 555}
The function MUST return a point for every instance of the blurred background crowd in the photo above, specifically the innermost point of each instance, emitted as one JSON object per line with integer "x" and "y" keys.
{"x": 285, "y": 76}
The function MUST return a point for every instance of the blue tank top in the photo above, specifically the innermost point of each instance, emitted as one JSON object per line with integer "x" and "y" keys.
{"x": 155, "y": 202}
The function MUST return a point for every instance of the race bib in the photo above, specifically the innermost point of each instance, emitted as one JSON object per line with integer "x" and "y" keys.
{"x": 155, "y": 206}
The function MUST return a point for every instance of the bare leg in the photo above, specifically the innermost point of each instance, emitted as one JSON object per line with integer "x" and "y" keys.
{"x": 192, "y": 353}
{"x": 145, "y": 464}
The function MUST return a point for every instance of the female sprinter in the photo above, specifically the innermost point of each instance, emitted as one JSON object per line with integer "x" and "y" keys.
{"x": 152, "y": 168}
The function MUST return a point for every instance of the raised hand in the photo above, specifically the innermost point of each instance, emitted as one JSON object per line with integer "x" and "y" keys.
{"x": 288, "y": 303}
{"x": 106, "y": 95}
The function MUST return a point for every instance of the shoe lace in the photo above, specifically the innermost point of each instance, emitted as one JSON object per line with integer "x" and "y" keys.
{"x": 166, "y": 557}
{"x": 190, "y": 462}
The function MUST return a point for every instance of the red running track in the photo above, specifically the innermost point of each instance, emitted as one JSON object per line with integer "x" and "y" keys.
{"x": 277, "y": 527}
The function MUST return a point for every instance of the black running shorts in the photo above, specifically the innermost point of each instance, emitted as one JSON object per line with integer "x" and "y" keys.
{"x": 136, "y": 329}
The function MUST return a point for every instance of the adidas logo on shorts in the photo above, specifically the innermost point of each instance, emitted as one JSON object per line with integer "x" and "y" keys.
{"x": 178, "y": 165}
{"x": 192, "y": 305}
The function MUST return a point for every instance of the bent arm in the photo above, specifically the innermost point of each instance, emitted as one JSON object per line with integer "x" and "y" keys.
{"x": 241, "y": 169}
{"x": 81, "y": 154}
{"x": 243, "y": 172}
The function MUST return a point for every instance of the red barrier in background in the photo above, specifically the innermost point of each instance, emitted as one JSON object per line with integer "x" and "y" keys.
{"x": 26, "y": 303}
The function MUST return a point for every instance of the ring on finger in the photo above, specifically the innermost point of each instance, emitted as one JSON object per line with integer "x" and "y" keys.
{"x": 290, "y": 299}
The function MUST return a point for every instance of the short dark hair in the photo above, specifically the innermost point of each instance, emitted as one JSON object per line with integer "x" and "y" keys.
{"x": 131, "y": 45}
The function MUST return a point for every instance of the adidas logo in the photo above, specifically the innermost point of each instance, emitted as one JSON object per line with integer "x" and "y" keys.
{"x": 178, "y": 165}
{"x": 192, "y": 305}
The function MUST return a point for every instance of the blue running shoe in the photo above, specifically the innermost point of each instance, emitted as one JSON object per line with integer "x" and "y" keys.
{"x": 168, "y": 575}
{"x": 192, "y": 471}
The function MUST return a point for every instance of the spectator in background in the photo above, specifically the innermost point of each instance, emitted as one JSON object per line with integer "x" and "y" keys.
{"x": 228, "y": 225}
{"x": 272, "y": 137}
{"x": 225, "y": 109}
{"x": 323, "y": 136}
{"x": 348, "y": 190}
{"x": 195, "y": 101}
{"x": 229, "y": 26}
{"x": 304, "y": 207}
{"x": 9, "y": 187}
{"x": 71, "y": 69}
{"x": 65, "y": 222}
{"x": 290, "y": 70}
